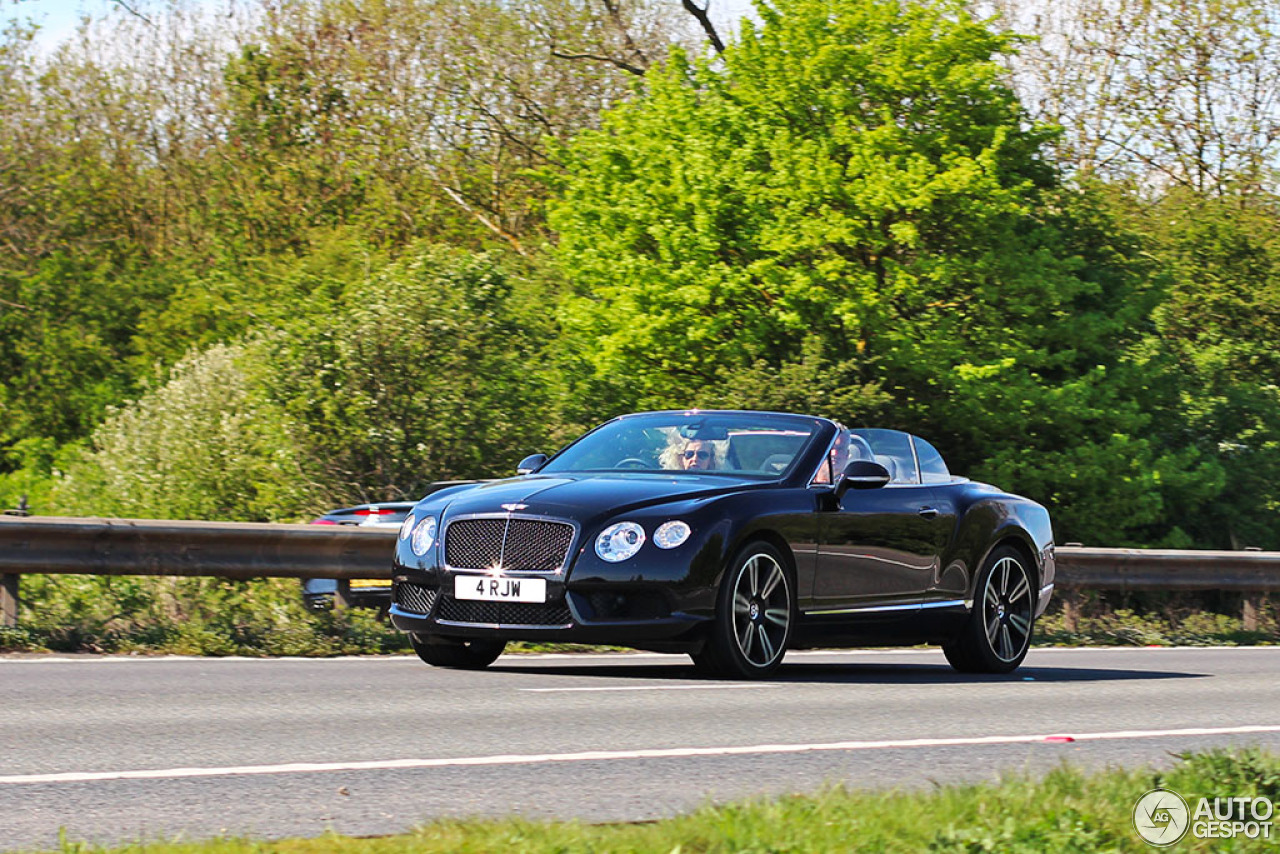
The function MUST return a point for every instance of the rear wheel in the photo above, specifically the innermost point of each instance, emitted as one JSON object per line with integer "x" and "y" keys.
{"x": 456, "y": 652}
{"x": 998, "y": 634}
{"x": 755, "y": 611}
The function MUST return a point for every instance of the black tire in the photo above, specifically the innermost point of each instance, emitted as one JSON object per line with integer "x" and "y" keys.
{"x": 755, "y": 613}
{"x": 998, "y": 633}
{"x": 455, "y": 652}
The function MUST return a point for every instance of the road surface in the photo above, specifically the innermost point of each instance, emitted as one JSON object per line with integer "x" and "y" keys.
{"x": 119, "y": 749}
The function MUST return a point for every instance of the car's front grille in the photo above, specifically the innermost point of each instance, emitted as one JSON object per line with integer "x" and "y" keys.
{"x": 513, "y": 544}
{"x": 415, "y": 597}
{"x": 552, "y": 614}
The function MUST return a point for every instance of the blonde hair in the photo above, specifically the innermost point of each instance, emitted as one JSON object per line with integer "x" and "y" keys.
{"x": 672, "y": 457}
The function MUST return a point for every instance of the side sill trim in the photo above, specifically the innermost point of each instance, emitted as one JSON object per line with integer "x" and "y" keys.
{"x": 882, "y": 609}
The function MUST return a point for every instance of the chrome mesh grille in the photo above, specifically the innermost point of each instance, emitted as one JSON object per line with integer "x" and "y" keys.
{"x": 550, "y": 614}
{"x": 515, "y": 544}
{"x": 416, "y": 598}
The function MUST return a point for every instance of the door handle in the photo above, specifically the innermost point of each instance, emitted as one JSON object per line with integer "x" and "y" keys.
{"x": 929, "y": 512}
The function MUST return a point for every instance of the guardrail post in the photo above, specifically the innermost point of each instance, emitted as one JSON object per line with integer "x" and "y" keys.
{"x": 342, "y": 595}
{"x": 1071, "y": 609}
{"x": 1253, "y": 606}
{"x": 9, "y": 599}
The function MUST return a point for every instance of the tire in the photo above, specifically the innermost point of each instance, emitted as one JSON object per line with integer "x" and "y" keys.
{"x": 998, "y": 633}
{"x": 755, "y": 613}
{"x": 456, "y": 653}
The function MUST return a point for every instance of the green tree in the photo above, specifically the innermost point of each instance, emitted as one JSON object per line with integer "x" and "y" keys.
{"x": 204, "y": 445}
{"x": 429, "y": 369}
{"x": 1220, "y": 329}
{"x": 857, "y": 176}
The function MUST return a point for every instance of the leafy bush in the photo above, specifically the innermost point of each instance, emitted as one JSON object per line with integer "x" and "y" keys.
{"x": 204, "y": 445}
{"x": 189, "y": 616}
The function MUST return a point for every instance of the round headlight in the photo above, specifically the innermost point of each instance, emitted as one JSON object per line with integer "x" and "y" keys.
{"x": 407, "y": 526}
{"x": 424, "y": 536}
{"x": 671, "y": 534}
{"x": 619, "y": 541}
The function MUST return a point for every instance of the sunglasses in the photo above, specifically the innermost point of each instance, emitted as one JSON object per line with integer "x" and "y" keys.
{"x": 702, "y": 455}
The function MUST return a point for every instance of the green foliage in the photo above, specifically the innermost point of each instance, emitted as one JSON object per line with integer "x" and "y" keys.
{"x": 853, "y": 214}
{"x": 205, "y": 445}
{"x": 848, "y": 212}
{"x": 424, "y": 374}
{"x": 1220, "y": 330}
{"x": 395, "y": 374}
{"x": 189, "y": 616}
{"x": 1125, "y": 627}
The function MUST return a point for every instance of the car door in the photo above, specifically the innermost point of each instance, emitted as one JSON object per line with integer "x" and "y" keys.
{"x": 880, "y": 547}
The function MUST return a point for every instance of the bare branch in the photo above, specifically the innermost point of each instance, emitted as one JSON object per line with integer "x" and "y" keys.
{"x": 483, "y": 220}
{"x": 631, "y": 69}
{"x": 700, "y": 13}
{"x": 616, "y": 16}
{"x": 135, "y": 13}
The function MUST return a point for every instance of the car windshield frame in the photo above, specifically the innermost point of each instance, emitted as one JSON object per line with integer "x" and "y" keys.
{"x": 744, "y": 444}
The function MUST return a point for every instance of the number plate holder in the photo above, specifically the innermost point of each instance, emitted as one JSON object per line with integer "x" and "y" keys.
{"x": 499, "y": 588}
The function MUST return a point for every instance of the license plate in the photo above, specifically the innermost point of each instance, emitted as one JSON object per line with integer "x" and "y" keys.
{"x": 367, "y": 583}
{"x": 498, "y": 588}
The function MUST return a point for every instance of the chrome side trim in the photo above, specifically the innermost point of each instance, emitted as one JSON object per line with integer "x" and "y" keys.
{"x": 521, "y": 626}
{"x": 881, "y": 609}
{"x": 396, "y": 610}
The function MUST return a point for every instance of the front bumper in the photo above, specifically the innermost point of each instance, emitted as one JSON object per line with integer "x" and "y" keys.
{"x": 615, "y": 615}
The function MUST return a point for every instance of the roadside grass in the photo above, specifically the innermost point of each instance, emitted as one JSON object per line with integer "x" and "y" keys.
{"x": 1065, "y": 810}
{"x": 216, "y": 617}
{"x": 1126, "y": 627}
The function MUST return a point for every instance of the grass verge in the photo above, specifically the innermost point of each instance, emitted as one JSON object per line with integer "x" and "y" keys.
{"x": 211, "y": 616}
{"x": 1066, "y": 810}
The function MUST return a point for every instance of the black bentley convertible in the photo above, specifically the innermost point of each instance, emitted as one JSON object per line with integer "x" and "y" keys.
{"x": 730, "y": 536}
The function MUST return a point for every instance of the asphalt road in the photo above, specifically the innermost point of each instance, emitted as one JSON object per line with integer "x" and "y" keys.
{"x": 123, "y": 749}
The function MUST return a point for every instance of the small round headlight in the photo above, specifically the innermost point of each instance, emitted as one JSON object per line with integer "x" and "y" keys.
{"x": 671, "y": 534}
{"x": 424, "y": 536}
{"x": 619, "y": 541}
{"x": 406, "y": 527}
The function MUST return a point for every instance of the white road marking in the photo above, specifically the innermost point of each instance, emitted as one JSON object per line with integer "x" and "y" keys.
{"x": 652, "y": 688}
{"x": 613, "y": 755}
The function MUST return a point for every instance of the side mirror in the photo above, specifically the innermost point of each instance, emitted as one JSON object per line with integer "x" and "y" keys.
{"x": 531, "y": 463}
{"x": 861, "y": 474}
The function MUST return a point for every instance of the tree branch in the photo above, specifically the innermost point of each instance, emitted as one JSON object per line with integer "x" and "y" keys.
{"x": 700, "y": 13}
{"x": 625, "y": 66}
{"x": 135, "y": 13}
{"x": 484, "y": 220}
{"x": 616, "y": 17}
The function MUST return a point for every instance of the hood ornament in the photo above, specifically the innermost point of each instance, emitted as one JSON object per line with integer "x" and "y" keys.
{"x": 511, "y": 508}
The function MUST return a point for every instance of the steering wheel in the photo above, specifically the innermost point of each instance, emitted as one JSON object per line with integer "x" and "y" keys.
{"x": 631, "y": 463}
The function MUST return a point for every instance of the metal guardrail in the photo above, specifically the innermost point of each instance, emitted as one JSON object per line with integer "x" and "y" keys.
{"x": 90, "y": 546}
{"x": 236, "y": 550}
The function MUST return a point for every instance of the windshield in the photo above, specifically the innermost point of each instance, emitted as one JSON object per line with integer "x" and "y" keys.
{"x": 738, "y": 443}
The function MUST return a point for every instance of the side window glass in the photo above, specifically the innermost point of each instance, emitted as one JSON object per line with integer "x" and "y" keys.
{"x": 846, "y": 447}
{"x": 932, "y": 468}
{"x": 892, "y": 449}
{"x": 824, "y": 472}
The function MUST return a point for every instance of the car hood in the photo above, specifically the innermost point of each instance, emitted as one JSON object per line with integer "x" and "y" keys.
{"x": 582, "y": 496}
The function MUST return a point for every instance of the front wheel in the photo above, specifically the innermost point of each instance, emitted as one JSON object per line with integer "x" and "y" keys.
{"x": 755, "y": 611}
{"x": 998, "y": 634}
{"x": 455, "y": 652}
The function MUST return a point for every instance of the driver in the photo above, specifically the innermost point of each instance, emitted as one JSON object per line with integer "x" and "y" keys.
{"x": 689, "y": 455}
